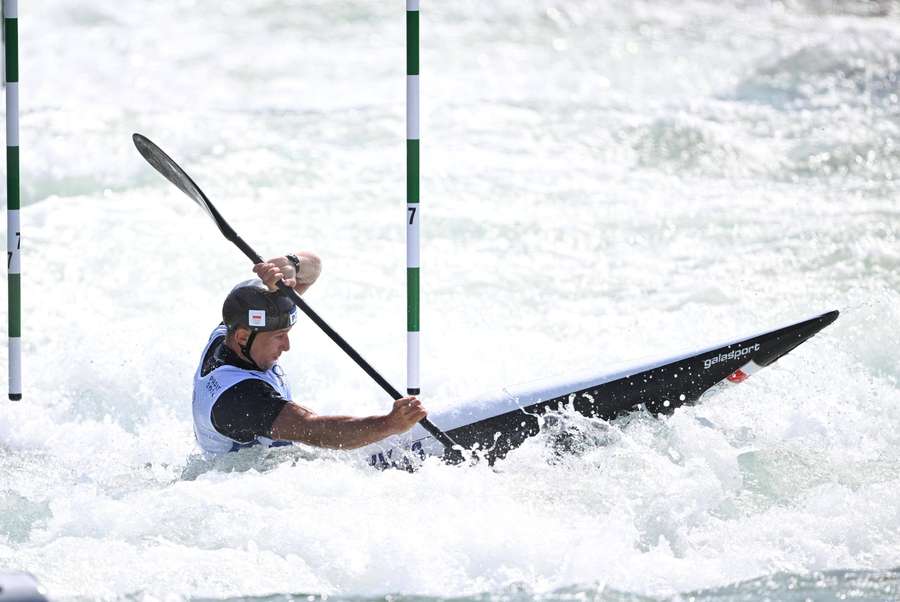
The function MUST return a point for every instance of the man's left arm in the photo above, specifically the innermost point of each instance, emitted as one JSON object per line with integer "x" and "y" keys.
{"x": 297, "y": 423}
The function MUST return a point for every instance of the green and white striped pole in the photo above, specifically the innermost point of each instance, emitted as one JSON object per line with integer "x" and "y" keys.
{"x": 412, "y": 197}
{"x": 13, "y": 241}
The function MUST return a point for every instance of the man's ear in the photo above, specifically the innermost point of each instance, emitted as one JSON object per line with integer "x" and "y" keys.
{"x": 240, "y": 335}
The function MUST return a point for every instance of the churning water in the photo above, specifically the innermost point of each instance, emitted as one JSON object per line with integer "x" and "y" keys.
{"x": 601, "y": 181}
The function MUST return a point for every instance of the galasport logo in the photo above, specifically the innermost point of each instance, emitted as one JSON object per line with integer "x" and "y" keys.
{"x": 731, "y": 355}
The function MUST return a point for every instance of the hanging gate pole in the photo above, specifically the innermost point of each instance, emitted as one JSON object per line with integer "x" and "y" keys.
{"x": 412, "y": 197}
{"x": 13, "y": 240}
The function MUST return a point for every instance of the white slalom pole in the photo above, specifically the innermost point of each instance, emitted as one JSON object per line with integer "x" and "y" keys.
{"x": 412, "y": 197}
{"x": 13, "y": 231}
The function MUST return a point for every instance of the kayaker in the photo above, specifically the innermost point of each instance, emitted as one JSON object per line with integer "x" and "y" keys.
{"x": 241, "y": 397}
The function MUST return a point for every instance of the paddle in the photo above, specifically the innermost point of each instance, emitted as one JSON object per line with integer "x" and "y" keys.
{"x": 173, "y": 173}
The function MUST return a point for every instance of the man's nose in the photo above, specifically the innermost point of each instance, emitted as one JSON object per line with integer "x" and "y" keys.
{"x": 287, "y": 343}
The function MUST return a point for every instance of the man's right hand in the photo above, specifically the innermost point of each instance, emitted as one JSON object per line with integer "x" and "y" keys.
{"x": 270, "y": 272}
{"x": 281, "y": 268}
{"x": 406, "y": 413}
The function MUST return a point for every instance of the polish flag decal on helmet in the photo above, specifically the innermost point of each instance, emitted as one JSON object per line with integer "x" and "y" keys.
{"x": 256, "y": 317}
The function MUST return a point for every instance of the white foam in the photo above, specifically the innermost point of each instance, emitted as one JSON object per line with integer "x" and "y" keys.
{"x": 556, "y": 237}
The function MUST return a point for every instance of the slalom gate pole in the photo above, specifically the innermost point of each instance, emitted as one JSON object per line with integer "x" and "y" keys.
{"x": 412, "y": 197}
{"x": 13, "y": 235}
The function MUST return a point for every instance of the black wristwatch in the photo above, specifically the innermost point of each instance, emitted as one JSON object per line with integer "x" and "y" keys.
{"x": 294, "y": 260}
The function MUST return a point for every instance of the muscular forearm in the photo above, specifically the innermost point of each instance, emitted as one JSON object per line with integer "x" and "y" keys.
{"x": 297, "y": 423}
{"x": 308, "y": 272}
{"x": 336, "y": 432}
{"x": 301, "y": 275}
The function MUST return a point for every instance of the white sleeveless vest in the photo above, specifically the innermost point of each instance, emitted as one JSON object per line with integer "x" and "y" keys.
{"x": 207, "y": 390}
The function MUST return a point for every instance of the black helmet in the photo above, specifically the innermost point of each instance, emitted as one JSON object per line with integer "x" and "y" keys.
{"x": 252, "y": 305}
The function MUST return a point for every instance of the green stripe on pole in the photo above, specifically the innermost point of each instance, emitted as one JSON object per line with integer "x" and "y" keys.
{"x": 11, "y": 31}
{"x": 412, "y": 299}
{"x": 412, "y": 171}
{"x": 15, "y": 307}
{"x": 412, "y": 42}
{"x": 12, "y": 178}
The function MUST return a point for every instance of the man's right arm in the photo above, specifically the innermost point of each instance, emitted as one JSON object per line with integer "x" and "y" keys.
{"x": 308, "y": 272}
{"x": 299, "y": 277}
{"x": 296, "y": 423}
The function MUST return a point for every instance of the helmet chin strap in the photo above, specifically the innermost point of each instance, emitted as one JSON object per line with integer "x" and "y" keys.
{"x": 245, "y": 349}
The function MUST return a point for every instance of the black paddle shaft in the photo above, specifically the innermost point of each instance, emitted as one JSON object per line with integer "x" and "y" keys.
{"x": 177, "y": 176}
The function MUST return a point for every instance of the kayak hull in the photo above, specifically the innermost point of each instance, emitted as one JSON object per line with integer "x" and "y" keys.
{"x": 498, "y": 423}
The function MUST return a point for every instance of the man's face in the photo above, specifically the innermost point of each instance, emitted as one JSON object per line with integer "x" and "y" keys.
{"x": 268, "y": 346}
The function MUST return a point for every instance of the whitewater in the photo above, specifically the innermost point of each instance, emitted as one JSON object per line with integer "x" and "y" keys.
{"x": 601, "y": 181}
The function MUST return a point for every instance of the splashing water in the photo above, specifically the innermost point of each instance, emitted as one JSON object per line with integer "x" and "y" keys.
{"x": 601, "y": 181}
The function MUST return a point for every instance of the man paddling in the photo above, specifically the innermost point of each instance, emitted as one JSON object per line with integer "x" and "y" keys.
{"x": 241, "y": 397}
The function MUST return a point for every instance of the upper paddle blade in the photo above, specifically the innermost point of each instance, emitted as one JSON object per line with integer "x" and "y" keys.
{"x": 164, "y": 164}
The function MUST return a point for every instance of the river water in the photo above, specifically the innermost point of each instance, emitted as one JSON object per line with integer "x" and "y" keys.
{"x": 601, "y": 181}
